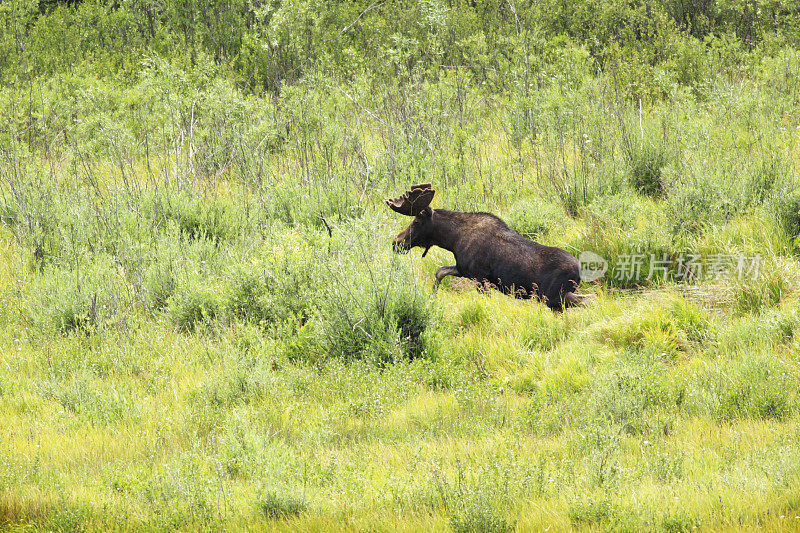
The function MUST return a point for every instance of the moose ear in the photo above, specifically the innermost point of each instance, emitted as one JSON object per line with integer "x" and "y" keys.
{"x": 427, "y": 212}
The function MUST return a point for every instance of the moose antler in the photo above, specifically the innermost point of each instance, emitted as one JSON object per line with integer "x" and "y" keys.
{"x": 413, "y": 201}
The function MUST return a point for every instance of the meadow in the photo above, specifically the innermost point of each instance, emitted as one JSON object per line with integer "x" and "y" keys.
{"x": 204, "y": 326}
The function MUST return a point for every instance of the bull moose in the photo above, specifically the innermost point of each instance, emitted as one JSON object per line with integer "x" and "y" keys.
{"x": 487, "y": 251}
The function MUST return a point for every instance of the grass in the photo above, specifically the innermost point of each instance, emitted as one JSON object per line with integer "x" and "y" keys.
{"x": 226, "y": 340}
{"x": 209, "y": 418}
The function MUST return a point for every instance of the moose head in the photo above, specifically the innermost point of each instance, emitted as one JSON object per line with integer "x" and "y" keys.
{"x": 415, "y": 202}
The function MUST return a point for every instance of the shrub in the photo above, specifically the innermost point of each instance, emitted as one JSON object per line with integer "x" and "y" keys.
{"x": 247, "y": 298}
{"x": 77, "y": 300}
{"x": 372, "y": 329}
{"x": 214, "y": 218}
{"x": 9, "y": 215}
{"x": 412, "y": 318}
{"x": 764, "y": 289}
{"x": 476, "y": 504}
{"x": 680, "y": 522}
{"x": 688, "y": 62}
{"x": 788, "y": 212}
{"x": 159, "y": 284}
{"x": 279, "y": 507}
{"x": 534, "y": 219}
{"x": 668, "y": 466}
{"x": 691, "y": 207}
{"x": 763, "y": 181}
{"x": 475, "y": 519}
{"x": 757, "y": 391}
{"x": 352, "y": 296}
{"x": 646, "y": 164}
{"x": 320, "y": 204}
{"x": 592, "y": 512}
{"x": 193, "y": 305}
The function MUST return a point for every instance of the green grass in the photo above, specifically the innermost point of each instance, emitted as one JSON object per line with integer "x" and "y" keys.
{"x": 204, "y": 326}
{"x": 513, "y": 417}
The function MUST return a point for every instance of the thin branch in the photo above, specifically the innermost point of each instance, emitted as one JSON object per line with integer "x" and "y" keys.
{"x": 370, "y": 8}
{"x": 370, "y": 113}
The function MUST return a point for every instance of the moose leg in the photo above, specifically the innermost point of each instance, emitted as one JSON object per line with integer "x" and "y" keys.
{"x": 445, "y": 271}
{"x": 571, "y": 299}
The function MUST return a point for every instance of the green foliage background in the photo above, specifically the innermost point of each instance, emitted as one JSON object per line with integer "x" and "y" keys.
{"x": 205, "y": 327}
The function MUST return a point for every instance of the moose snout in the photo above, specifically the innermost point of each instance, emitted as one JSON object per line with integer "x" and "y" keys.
{"x": 399, "y": 245}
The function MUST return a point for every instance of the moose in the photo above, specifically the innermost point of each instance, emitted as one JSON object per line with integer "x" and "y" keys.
{"x": 487, "y": 251}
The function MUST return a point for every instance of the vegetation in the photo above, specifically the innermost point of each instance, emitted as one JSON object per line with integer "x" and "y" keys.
{"x": 205, "y": 327}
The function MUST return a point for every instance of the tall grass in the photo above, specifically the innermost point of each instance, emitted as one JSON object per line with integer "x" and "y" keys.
{"x": 207, "y": 328}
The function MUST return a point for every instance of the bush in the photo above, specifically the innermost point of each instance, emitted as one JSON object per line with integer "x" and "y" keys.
{"x": 345, "y": 296}
{"x": 480, "y": 520}
{"x": 247, "y": 298}
{"x": 214, "y": 218}
{"x": 763, "y": 181}
{"x": 379, "y": 321}
{"x": 663, "y": 328}
{"x": 788, "y": 213}
{"x": 80, "y": 300}
{"x": 159, "y": 285}
{"x": 413, "y": 317}
{"x": 592, "y": 512}
{"x": 193, "y": 305}
{"x": 691, "y": 207}
{"x": 757, "y": 389}
{"x": 680, "y": 522}
{"x": 646, "y": 164}
{"x": 9, "y": 215}
{"x": 764, "y": 289}
{"x": 280, "y": 284}
{"x": 475, "y": 501}
{"x": 534, "y": 219}
{"x": 279, "y": 507}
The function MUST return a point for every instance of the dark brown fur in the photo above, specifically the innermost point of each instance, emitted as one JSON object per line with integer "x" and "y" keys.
{"x": 492, "y": 254}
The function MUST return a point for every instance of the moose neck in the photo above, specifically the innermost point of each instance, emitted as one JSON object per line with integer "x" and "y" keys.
{"x": 449, "y": 229}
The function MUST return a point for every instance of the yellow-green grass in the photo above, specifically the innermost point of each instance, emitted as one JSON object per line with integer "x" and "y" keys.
{"x": 150, "y": 428}
{"x": 181, "y": 340}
